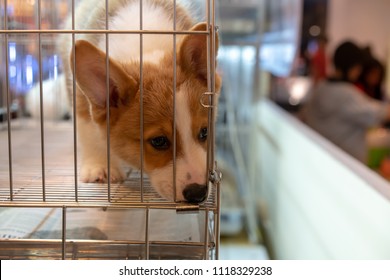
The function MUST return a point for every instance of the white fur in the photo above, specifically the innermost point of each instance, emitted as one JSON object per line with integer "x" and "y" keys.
{"x": 128, "y": 46}
{"x": 191, "y": 168}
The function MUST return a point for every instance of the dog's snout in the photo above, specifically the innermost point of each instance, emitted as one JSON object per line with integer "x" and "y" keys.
{"x": 195, "y": 193}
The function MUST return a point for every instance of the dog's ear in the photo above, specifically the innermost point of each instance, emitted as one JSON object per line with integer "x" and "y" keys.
{"x": 193, "y": 52}
{"x": 91, "y": 76}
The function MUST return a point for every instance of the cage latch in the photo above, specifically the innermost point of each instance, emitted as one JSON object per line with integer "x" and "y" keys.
{"x": 205, "y": 97}
{"x": 215, "y": 175}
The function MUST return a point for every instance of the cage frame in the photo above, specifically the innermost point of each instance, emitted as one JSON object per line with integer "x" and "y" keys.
{"x": 10, "y": 198}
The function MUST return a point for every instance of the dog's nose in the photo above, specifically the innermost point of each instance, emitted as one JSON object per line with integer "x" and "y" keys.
{"x": 195, "y": 193}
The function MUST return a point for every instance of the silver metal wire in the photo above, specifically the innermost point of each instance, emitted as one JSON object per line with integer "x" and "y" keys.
{"x": 209, "y": 88}
{"x": 102, "y": 31}
{"x": 147, "y": 243}
{"x": 108, "y": 107}
{"x": 141, "y": 90}
{"x": 174, "y": 104}
{"x": 206, "y": 233}
{"x": 8, "y": 99}
{"x": 43, "y": 169}
{"x": 213, "y": 136}
{"x": 29, "y": 190}
{"x": 63, "y": 232}
{"x": 75, "y": 155}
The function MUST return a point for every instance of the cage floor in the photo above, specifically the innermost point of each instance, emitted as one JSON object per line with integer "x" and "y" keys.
{"x": 82, "y": 250}
{"x": 59, "y": 184}
{"x": 97, "y": 233}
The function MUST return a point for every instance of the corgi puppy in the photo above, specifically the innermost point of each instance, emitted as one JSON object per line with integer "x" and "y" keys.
{"x": 88, "y": 59}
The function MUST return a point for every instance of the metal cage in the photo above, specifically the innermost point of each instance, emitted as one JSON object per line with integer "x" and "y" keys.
{"x": 47, "y": 213}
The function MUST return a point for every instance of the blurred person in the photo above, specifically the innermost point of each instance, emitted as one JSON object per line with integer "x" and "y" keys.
{"x": 371, "y": 78}
{"x": 318, "y": 60}
{"x": 338, "y": 110}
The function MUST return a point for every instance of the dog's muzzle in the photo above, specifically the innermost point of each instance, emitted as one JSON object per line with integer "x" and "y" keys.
{"x": 195, "y": 193}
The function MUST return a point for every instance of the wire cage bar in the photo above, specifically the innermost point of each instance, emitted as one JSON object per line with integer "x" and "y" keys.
{"x": 47, "y": 213}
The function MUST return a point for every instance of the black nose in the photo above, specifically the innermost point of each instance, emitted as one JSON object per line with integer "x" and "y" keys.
{"x": 195, "y": 193}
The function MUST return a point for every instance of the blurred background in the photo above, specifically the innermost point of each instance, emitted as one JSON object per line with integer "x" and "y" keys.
{"x": 288, "y": 192}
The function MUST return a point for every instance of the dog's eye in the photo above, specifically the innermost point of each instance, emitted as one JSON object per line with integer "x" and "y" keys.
{"x": 203, "y": 134}
{"x": 160, "y": 143}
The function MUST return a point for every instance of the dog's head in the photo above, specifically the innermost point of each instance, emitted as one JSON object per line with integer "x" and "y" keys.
{"x": 155, "y": 116}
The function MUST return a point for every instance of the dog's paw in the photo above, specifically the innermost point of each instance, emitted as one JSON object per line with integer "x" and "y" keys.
{"x": 99, "y": 174}
{"x": 117, "y": 175}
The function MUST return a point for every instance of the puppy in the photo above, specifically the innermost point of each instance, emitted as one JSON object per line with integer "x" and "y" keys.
{"x": 88, "y": 59}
